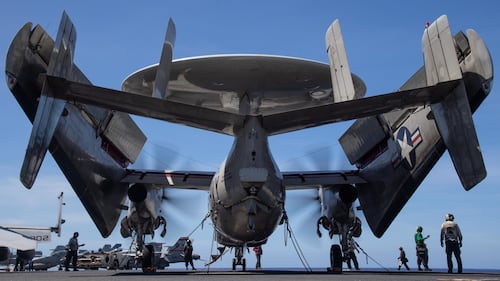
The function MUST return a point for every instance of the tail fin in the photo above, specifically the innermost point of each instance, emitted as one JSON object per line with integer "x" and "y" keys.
{"x": 49, "y": 109}
{"x": 453, "y": 115}
{"x": 60, "y": 220}
{"x": 163, "y": 70}
{"x": 342, "y": 85}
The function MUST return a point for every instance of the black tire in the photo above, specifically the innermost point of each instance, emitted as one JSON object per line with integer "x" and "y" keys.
{"x": 335, "y": 258}
{"x": 148, "y": 255}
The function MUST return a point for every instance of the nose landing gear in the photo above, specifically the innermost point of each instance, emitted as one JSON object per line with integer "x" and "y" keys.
{"x": 239, "y": 259}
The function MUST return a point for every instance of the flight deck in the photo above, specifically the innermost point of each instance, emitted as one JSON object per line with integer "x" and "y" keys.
{"x": 263, "y": 275}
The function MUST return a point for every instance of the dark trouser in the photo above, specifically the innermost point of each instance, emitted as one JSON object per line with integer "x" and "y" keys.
{"x": 405, "y": 264}
{"x": 453, "y": 247}
{"x": 422, "y": 257}
{"x": 352, "y": 256}
{"x": 71, "y": 256}
{"x": 189, "y": 261}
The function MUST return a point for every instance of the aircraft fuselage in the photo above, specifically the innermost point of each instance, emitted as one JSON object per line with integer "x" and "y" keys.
{"x": 247, "y": 194}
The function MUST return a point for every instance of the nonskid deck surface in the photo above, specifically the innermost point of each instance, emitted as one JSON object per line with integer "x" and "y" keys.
{"x": 278, "y": 274}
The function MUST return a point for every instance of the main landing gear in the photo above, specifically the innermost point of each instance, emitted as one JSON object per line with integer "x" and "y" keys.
{"x": 335, "y": 259}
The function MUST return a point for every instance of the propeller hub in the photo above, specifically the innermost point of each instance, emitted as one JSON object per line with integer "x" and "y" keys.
{"x": 137, "y": 193}
{"x": 348, "y": 194}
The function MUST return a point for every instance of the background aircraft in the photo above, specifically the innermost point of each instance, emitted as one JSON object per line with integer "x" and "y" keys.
{"x": 55, "y": 258}
{"x": 419, "y": 26}
{"x": 26, "y": 238}
{"x": 175, "y": 253}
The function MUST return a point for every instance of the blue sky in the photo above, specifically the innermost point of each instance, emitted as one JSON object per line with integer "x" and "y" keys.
{"x": 382, "y": 40}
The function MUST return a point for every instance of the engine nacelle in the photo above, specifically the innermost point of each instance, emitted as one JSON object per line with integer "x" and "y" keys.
{"x": 137, "y": 192}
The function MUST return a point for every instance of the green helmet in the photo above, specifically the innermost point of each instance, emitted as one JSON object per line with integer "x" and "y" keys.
{"x": 449, "y": 217}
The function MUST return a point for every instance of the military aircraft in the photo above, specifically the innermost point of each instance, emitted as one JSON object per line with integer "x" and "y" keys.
{"x": 106, "y": 257}
{"x": 25, "y": 238}
{"x": 54, "y": 259}
{"x": 393, "y": 144}
{"x": 175, "y": 253}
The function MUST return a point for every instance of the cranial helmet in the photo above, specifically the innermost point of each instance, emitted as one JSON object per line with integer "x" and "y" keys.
{"x": 419, "y": 229}
{"x": 449, "y": 217}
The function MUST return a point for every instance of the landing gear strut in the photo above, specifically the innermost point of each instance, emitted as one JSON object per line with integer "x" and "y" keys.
{"x": 239, "y": 259}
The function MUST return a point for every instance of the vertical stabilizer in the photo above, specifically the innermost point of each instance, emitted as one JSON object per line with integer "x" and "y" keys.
{"x": 163, "y": 69}
{"x": 49, "y": 109}
{"x": 60, "y": 220}
{"x": 453, "y": 115}
{"x": 342, "y": 85}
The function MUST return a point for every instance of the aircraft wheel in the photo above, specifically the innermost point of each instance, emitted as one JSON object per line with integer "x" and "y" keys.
{"x": 234, "y": 264}
{"x": 244, "y": 264}
{"x": 335, "y": 259}
{"x": 147, "y": 258}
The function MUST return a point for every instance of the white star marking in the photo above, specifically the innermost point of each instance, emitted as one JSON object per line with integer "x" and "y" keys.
{"x": 406, "y": 148}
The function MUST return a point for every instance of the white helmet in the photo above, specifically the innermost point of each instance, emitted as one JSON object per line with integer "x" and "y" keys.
{"x": 449, "y": 217}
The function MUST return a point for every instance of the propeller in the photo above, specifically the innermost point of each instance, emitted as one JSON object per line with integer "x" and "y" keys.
{"x": 156, "y": 157}
{"x": 304, "y": 206}
{"x": 182, "y": 208}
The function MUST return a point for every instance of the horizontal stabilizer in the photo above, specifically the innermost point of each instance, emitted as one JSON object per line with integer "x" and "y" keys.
{"x": 150, "y": 107}
{"x": 49, "y": 109}
{"x": 453, "y": 115}
{"x": 342, "y": 85}
{"x": 356, "y": 108}
{"x": 163, "y": 69}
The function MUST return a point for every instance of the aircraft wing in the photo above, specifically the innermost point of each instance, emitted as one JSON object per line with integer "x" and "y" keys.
{"x": 12, "y": 239}
{"x": 315, "y": 179}
{"x": 172, "y": 179}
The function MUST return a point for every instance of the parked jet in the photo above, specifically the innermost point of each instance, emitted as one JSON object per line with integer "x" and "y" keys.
{"x": 399, "y": 135}
{"x": 25, "y": 238}
{"x": 175, "y": 253}
{"x": 56, "y": 258}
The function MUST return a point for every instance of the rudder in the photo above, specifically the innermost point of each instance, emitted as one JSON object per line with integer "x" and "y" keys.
{"x": 453, "y": 115}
